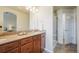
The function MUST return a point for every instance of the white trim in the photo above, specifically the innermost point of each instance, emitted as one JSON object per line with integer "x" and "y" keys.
{"x": 48, "y": 51}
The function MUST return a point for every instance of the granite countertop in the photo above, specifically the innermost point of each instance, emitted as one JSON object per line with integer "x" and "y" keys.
{"x": 9, "y": 38}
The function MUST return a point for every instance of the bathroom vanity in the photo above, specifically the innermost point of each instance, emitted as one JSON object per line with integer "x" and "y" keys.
{"x": 32, "y": 42}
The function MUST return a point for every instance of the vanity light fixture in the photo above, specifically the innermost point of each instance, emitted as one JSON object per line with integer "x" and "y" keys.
{"x": 28, "y": 7}
{"x": 32, "y": 9}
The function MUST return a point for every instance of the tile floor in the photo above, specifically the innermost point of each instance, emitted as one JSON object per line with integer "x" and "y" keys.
{"x": 68, "y": 48}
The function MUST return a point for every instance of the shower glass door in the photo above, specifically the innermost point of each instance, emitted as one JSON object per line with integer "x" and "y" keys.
{"x": 69, "y": 29}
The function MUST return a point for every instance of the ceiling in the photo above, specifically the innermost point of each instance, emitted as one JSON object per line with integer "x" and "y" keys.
{"x": 23, "y": 8}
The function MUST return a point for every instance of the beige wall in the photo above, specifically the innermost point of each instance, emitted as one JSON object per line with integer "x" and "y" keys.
{"x": 22, "y": 18}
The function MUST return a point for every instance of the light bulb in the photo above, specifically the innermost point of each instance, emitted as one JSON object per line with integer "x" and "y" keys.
{"x": 33, "y": 8}
{"x": 29, "y": 7}
{"x": 36, "y": 10}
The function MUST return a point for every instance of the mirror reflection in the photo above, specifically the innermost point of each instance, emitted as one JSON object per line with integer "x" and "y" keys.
{"x": 9, "y": 22}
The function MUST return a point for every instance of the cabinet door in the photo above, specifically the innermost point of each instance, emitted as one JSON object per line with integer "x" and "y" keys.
{"x": 27, "y": 48}
{"x": 37, "y": 44}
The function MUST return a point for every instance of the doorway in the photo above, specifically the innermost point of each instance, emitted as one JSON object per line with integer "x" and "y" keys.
{"x": 66, "y": 41}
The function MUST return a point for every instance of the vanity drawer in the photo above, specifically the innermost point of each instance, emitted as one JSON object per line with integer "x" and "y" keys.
{"x": 26, "y": 40}
{"x": 10, "y": 46}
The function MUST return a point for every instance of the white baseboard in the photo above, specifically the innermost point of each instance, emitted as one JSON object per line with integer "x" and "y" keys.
{"x": 47, "y": 51}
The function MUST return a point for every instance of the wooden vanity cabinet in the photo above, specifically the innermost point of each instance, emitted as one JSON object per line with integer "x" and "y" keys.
{"x": 32, "y": 44}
